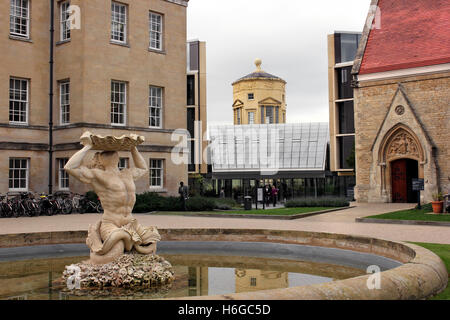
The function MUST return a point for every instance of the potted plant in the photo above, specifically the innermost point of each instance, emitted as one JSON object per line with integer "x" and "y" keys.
{"x": 438, "y": 202}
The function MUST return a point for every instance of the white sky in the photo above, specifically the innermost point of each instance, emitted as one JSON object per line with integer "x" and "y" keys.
{"x": 290, "y": 36}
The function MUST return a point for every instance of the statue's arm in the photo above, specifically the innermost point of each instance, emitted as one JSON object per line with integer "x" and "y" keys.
{"x": 140, "y": 166}
{"x": 74, "y": 167}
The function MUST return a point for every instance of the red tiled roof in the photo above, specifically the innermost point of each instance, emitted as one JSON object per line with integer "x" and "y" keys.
{"x": 413, "y": 33}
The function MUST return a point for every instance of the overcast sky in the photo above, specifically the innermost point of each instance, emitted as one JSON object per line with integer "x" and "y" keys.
{"x": 290, "y": 36}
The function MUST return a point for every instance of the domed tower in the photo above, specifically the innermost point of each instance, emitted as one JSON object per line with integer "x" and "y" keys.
{"x": 259, "y": 98}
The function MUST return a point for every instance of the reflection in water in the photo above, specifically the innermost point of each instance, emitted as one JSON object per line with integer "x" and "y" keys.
{"x": 196, "y": 275}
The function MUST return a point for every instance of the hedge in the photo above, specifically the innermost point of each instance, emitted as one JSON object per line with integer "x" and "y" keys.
{"x": 317, "y": 202}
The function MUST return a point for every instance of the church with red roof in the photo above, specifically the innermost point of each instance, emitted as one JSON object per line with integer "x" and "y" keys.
{"x": 401, "y": 79}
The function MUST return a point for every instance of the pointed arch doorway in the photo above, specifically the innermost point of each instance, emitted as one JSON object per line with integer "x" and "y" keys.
{"x": 401, "y": 159}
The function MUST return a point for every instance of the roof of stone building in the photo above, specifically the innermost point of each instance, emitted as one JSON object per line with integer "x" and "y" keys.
{"x": 407, "y": 34}
{"x": 259, "y": 74}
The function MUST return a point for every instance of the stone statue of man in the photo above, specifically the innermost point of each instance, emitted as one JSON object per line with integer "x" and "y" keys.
{"x": 117, "y": 231}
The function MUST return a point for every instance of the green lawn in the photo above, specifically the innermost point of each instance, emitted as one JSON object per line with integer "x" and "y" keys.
{"x": 270, "y": 212}
{"x": 414, "y": 214}
{"x": 443, "y": 251}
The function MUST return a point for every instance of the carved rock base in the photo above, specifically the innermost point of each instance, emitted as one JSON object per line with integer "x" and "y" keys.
{"x": 132, "y": 271}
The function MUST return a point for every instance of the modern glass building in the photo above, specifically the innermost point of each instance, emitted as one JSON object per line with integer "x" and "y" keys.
{"x": 342, "y": 47}
{"x": 294, "y": 157}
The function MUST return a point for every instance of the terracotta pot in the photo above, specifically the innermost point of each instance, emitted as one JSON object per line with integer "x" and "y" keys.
{"x": 437, "y": 206}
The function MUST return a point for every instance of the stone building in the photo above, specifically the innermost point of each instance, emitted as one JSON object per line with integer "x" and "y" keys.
{"x": 402, "y": 101}
{"x": 119, "y": 68}
{"x": 259, "y": 98}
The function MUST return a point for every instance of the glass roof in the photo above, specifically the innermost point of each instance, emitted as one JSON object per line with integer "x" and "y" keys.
{"x": 273, "y": 147}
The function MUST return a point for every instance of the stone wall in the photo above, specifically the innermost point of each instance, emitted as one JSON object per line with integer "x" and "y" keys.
{"x": 90, "y": 61}
{"x": 429, "y": 99}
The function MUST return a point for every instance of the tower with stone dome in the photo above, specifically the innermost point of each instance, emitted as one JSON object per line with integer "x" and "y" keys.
{"x": 259, "y": 98}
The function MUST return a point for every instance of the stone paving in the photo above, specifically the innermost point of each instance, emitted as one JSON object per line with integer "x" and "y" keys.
{"x": 334, "y": 222}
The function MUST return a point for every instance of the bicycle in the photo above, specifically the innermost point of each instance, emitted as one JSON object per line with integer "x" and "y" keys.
{"x": 77, "y": 203}
{"x": 30, "y": 204}
{"x": 5, "y": 207}
{"x": 45, "y": 205}
{"x": 63, "y": 203}
{"x": 90, "y": 206}
{"x": 18, "y": 207}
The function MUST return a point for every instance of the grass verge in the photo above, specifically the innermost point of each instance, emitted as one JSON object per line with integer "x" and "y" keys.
{"x": 414, "y": 214}
{"x": 443, "y": 251}
{"x": 267, "y": 212}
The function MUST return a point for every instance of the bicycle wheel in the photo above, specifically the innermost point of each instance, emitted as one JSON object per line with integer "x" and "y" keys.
{"x": 99, "y": 208}
{"x": 18, "y": 210}
{"x": 66, "y": 206}
{"x": 29, "y": 209}
{"x": 7, "y": 210}
{"x": 46, "y": 208}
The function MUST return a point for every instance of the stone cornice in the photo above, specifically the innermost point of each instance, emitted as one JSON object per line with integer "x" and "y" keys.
{"x": 183, "y": 3}
{"x": 108, "y": 126}
{"x": 71, "y": 146}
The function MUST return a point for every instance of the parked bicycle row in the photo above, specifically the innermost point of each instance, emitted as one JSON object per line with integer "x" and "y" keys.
{"x": 30, "y": 204}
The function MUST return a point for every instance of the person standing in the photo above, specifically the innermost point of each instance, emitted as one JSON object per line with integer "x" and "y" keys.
{"x": 267, "y": 193}
{"x": 184, "y": 194}
{"x": 274, "y": 194}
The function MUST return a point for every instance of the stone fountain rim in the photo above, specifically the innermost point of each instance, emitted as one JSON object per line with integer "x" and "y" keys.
{"x": 423, "y": 274}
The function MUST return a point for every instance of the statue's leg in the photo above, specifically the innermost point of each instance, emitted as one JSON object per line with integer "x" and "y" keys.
{"x": 116, "y": 251}
{"x": 150, "y": 249}
{"x": 115, "y": 236}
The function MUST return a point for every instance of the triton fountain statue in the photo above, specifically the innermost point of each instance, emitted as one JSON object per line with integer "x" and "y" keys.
{"x": 117, "y": 241}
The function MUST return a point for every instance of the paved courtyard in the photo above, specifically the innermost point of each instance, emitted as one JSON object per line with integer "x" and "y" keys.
{"x": 334, "y": 222}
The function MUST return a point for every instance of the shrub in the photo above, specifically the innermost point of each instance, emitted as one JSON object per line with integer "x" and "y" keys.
{"x": 223, "y": 206}
{"x": 200, "y": 204}
{"x": 226, "y": 202}
{"x": 91, "y": 196}
{"x": 151, "y": 201}
{"x": 317, "y": 202}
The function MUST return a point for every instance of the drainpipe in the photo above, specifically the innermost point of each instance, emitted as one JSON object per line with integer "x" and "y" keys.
{"x": 50, "y": 103}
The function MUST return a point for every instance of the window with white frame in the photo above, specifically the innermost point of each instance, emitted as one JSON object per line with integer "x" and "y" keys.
{"x": 18, "y": 174}
{"x": 118, "y": 22}
{"x": 63, "y": 176}
{"x": 156, "y": 29}
{"x": 64, "y": 102}
{"x": 19, "y": 18}
{"x": 251, "y": 96}
{"x": 156, "y": 173}
{"x": 118, "y": 102}
{"x": 251, "y": 118}
{"x": 65, "y": 20}
{"x": 18, "y": 100}
{"x": 155, "y": 107}
{"x": 238, "y": 115}
{"x": 123, "y": 163}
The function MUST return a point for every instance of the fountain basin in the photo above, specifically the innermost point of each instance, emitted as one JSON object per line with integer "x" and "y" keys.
{"x": 414, "y": 273}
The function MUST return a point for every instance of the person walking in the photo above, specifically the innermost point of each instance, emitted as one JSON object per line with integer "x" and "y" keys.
{"x": 267, "y": 193}
{"x": 274, "y": 194}
{"x": 184, "y": 194}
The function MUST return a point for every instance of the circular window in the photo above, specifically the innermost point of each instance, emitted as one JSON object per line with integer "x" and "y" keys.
{"x": 400, "y": 110}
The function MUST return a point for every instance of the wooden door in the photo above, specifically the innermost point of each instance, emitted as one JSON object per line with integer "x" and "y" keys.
{"x": 399, "y": 181}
